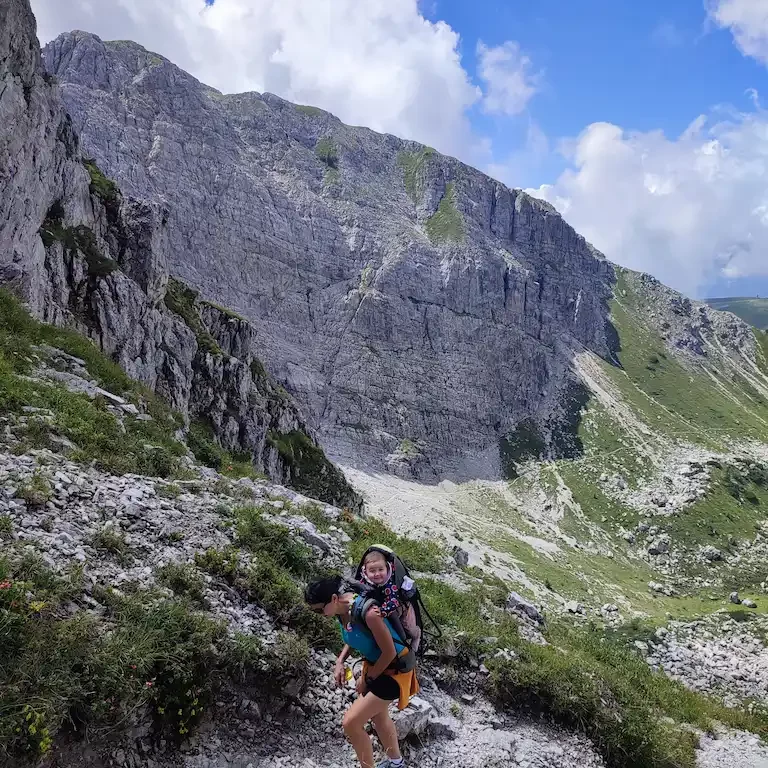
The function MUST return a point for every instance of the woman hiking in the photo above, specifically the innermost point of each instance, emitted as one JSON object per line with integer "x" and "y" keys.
{"x": 389, "y": 667}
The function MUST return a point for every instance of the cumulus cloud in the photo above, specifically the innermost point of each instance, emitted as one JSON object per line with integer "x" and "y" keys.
{"x": 510, "y": 79}
{"x": 748, "y": 22}
{"x": 378, "y": 63}
{"x": 688, "y": 209}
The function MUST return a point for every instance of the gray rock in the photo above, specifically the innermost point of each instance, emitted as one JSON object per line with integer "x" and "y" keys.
{"x": 116, "y": 275}
{"x": 518, "y": 604}
{"x": 414, "y": 718}
{"x": 734, "y": 598}
{"x": 712, "y": 554}
{"x": 748, "y": 603}
{"x": 573, "y": 606}
{"x": 659, "y": 547}
{"x": 460, "y": 556}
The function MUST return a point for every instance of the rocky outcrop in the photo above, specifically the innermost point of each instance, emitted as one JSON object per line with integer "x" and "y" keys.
{"x": 84, "y": 256}
{"x": 403, "y": 297}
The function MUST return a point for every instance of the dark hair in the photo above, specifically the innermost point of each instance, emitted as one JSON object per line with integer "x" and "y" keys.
{"x": 322, "y": 591}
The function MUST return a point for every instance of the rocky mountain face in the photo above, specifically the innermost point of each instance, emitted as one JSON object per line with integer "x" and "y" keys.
{"x": 419, "y": 309}
{"x": 85, "y": 256}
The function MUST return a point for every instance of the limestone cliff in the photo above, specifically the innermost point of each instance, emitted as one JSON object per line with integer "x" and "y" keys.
{"x": 417, "y": 308}
{"x": 83, "y": 255}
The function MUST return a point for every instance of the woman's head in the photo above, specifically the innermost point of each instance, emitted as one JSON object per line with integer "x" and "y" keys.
{"x": 323, "y": 596}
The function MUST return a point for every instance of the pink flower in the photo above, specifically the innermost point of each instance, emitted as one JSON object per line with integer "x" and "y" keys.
{"x": 149, "y": 683}
{"x": 5, "y": 584}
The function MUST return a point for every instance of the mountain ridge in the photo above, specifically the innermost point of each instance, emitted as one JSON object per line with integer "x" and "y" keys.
{"x": 407, "y": 300}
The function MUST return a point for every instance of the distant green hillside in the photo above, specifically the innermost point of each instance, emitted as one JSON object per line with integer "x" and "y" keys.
{"x": 750, "y": 310}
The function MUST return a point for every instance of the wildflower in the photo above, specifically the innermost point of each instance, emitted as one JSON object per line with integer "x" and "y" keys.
{"x": 5, "y": 584}
{"x": 148, "y": 683}
{"x": 133, "y": 666}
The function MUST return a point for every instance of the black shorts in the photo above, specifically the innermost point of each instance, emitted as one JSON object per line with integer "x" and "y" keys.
{"x": 385, "y": 687}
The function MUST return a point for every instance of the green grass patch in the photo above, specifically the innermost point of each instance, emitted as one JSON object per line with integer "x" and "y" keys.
{"x": 111, "y": 540}
{"x": 446, "y": 225}
{"x": 413, "y": 165}
{"x": 101, "y": 186}
{"x": 310, "y": 471}
{"x": 327, "y": 151}
{"x": 426, "y": 556}
{"x": 762, "y": 345}
{"x": 262, "y": 536}
{"x": 36, "y": 490}
{"x": 203, "y": 444}
{"x": 223, "y": 563}
{"x": 310, "y": 111}
{"x": 182, "y": 300}
{"x": 184, "y": 580}
{"x": 675, "y": 400}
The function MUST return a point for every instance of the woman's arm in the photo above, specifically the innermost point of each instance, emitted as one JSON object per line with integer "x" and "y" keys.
{"x": 381, "y": 634}
{"x": 345, "y": 651}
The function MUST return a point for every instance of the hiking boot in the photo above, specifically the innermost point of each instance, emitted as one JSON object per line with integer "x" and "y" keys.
{"x": 391, "y": 764}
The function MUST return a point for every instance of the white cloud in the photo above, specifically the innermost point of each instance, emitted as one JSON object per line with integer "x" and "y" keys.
{"x": 748, "y": 22}
{"x": 509, "y": 77}
{"x": 688, "y": 210}
{"x": 377, "y": 63}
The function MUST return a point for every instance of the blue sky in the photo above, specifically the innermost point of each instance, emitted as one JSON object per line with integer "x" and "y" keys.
{"x": 646, "y": 66}
{"x": 642, "y": 122}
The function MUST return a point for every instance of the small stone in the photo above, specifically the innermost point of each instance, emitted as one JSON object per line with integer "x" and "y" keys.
{"x": 734, "y": 598}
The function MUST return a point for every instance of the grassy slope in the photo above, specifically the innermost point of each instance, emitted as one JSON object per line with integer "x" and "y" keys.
{"x": 751, "y": 310}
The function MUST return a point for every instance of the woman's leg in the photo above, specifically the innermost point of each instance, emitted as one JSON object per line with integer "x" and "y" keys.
{"x": 362, "y": 710}
{"x": 387, "y": 733}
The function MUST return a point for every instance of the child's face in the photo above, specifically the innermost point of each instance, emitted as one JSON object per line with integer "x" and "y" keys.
{"x": 376, "y": 568}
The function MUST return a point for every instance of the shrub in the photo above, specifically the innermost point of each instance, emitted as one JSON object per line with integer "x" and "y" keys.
{"x": 167, "y": 490}
{"x": 327, "y": 151}
{"x": 112, "y": 540}
{"x": 6, "y": 527}
{"x": 36, "y": 491}
{"x": 184, "y": 579}
{"x": 275, "y": 541}
{"x": 219, "y": 562}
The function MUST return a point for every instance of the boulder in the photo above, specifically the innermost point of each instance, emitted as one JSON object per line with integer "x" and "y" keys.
{"x": 516, "y": 603}
{"x": 460, "y": 556}
{"x": 414, "y": 718}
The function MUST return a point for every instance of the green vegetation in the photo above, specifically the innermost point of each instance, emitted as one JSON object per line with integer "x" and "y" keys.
{"x": 36, "y": 491}
{"x": 80, "y": 239}
{"x": 751, "y": 310}
{"x": 219, "y": 562}
{"x": 762, "y": 343}
{"x": 273, "y": 541}
{"x": 327, "y": 151}
{"x": 144, "y": 447}
{"x": 112, "y": 540}
{"x": 310, "y": 471}
{"x": 672, "y": 399}
{"x": 57, "y": 669}
{"x": 184, "y": 580}
{"x": 182, "y": 300}
{"x": 408, "y": 448}
{"x": 202, "y": 443}
{"x": 413, "y": 165}
{"x": 310, "y": 111}
{"x": 6, "y": 527}
{"x": 231, "y": 314}
{"x": 447, "y": 224}
{"x": 168, "y": 490}
{"x": 426, "y": 556}
{"x": 105, "y": 189}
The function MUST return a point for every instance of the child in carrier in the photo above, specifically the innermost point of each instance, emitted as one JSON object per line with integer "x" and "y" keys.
{"x": 377, "y": 573}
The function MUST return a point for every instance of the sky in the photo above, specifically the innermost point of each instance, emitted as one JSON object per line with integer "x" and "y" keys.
{"x": 644, "y": 123}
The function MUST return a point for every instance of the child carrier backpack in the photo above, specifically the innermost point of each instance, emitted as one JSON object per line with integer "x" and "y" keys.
{"x": 408, "y": 592}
